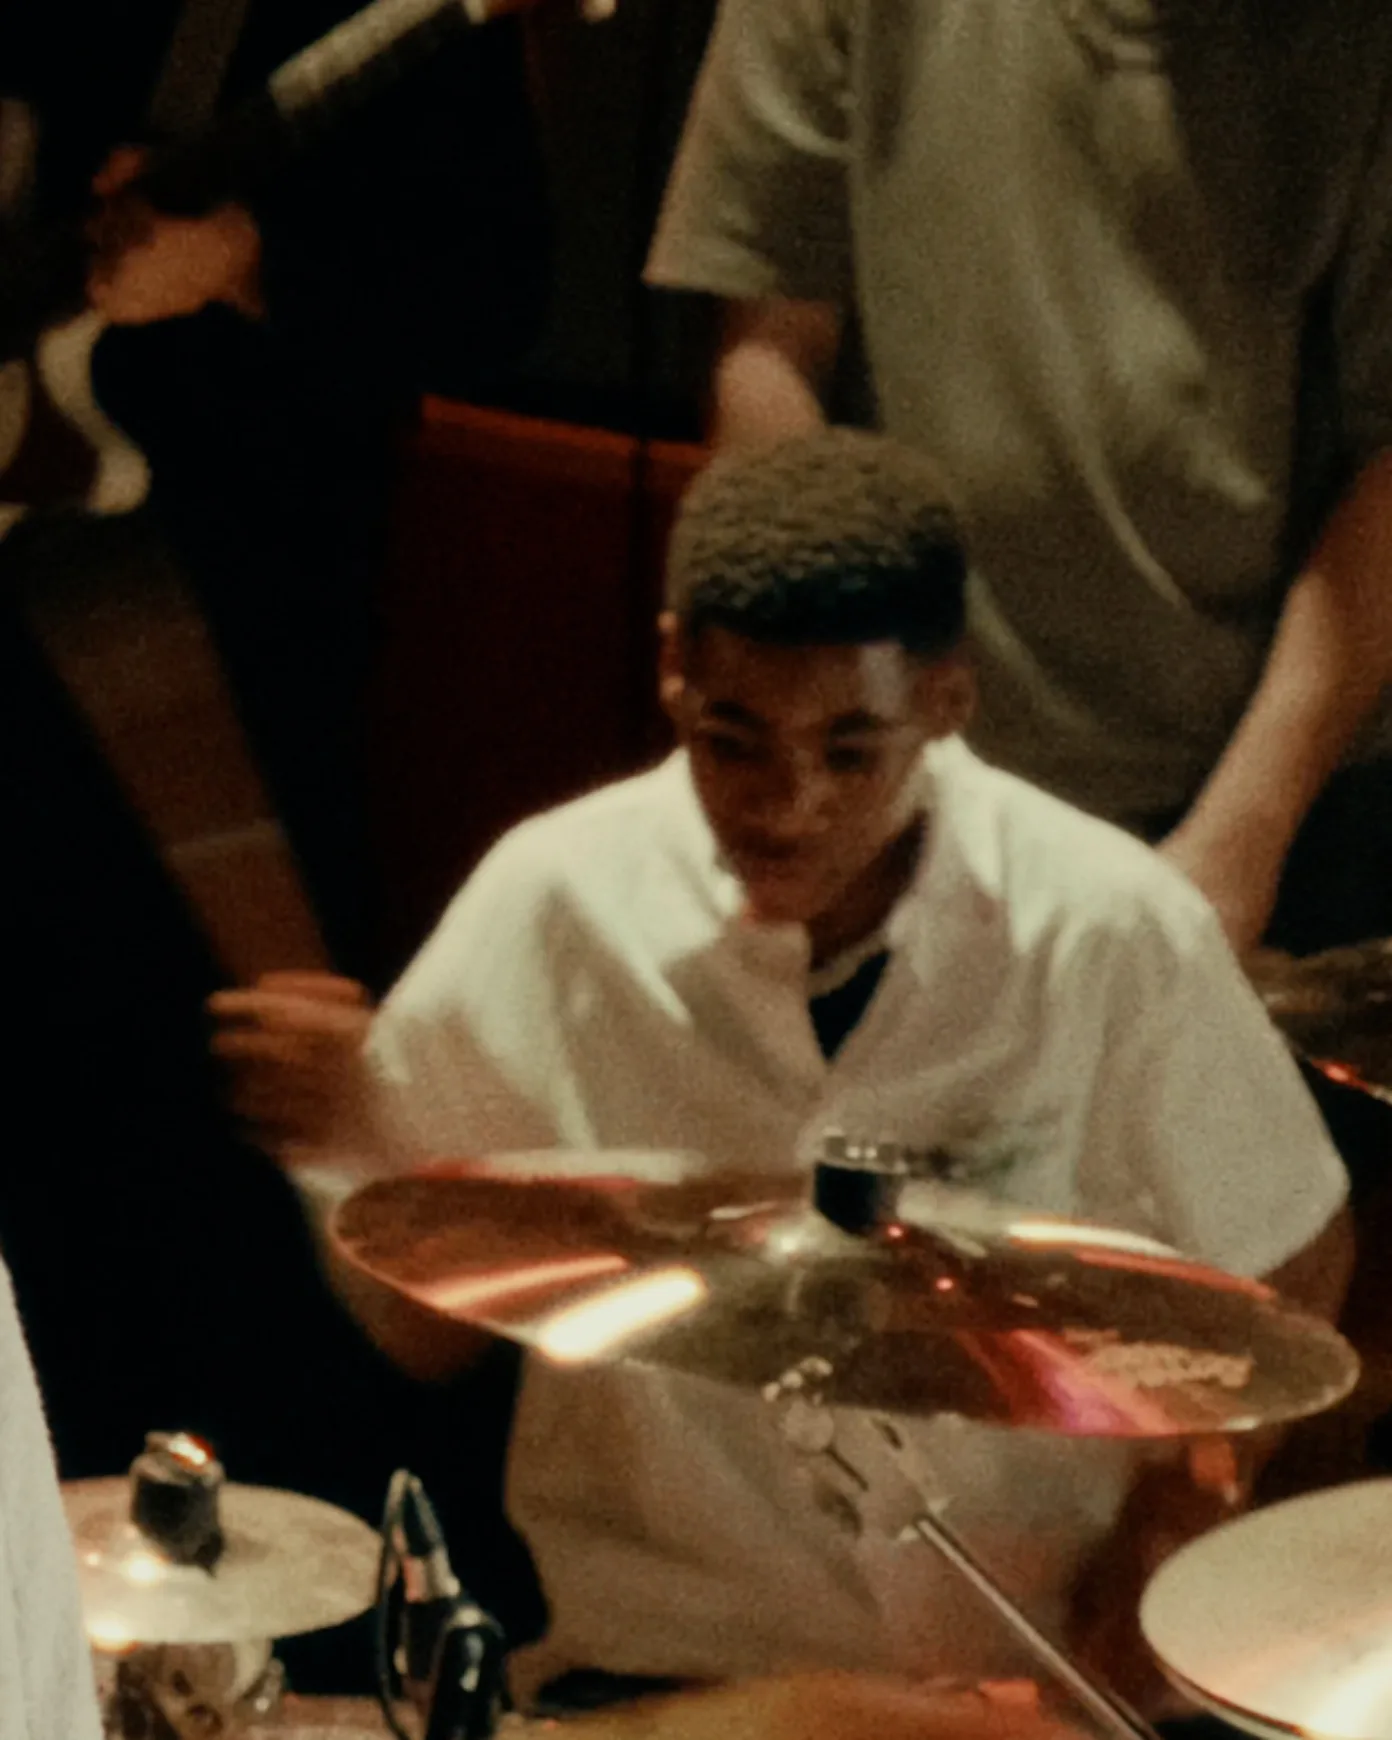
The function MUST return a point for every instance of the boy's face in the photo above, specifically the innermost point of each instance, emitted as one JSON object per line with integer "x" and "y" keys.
{"x": 803, "y": 756}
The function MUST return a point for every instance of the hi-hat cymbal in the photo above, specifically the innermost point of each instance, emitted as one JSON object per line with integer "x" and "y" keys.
{"x": 1281, "y": 1622}
{"x": 954, "y": 1305}
{"x": 1335, "y": 1009}
{"x": 289, "y": 1564}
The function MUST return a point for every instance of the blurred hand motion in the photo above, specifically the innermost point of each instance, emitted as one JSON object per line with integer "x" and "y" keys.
{"x": 292, "y": 1041}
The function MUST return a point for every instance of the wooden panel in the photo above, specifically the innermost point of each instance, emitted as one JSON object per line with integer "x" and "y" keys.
{"x": 517, "y": 664}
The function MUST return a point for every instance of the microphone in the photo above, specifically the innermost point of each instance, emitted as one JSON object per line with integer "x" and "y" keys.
{"x": 450, "y": 1651}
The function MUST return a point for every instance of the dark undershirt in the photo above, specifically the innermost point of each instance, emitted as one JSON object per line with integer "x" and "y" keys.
{"x": 836, "y": 1014}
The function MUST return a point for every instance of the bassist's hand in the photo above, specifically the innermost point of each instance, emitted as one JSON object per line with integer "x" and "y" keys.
{"x": 148, "y": 266}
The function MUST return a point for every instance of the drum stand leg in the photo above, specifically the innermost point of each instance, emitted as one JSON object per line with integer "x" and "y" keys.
{"x": 879, "y": 1483}
{"x": 186, "y": 1690}
{"x": 1115, "y": 1717}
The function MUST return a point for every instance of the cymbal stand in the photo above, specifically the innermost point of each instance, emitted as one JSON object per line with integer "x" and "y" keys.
{"x": 879, "y": 1483}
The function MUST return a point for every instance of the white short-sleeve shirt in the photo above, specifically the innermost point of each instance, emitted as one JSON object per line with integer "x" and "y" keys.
{"x": 1060, "y": 1013}
{"x": 47, "y": 1691}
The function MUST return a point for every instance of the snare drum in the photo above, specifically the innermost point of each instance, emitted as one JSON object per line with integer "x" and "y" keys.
{"x": 1281, "y": 1622}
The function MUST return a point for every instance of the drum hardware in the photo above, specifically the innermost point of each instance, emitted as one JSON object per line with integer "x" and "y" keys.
{"x": 1335, "y": 1010}
{"x": 187, "y": 1691}
{"x": 1280, "y": 1622}
{"x": 185, "y": 1580}
{"x": 899, "y": 1160}
{"x": 884, "y": 1479}
{"x": 449, "y": 1653}
{"x": 885, "y": 1293}
{"x": 886, "y": 1484}
{"x": 175, "y": 1487}
{"x": 937, "y": 1300}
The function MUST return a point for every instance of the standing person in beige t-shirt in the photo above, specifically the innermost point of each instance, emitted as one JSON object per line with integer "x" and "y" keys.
{"x": 1126, "y": 270}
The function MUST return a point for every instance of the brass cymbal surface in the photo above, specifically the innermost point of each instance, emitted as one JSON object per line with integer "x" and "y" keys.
{"x": 954, "y": 1305}
{"x": 1335, "y": 1008}
{"x": 289, "y": 1564}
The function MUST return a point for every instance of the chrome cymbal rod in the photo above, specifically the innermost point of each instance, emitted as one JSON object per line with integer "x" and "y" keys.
{"x": 1113, "y": 1713}
{"x": 876, "y": 1480}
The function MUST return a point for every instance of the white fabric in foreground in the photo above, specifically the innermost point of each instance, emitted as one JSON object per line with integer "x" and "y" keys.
{"x": 47, "y": 1691}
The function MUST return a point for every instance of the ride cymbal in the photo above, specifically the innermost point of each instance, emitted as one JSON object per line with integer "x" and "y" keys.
{"x": 951, "y": 1303}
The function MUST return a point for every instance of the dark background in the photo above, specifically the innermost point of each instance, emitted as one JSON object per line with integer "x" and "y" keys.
{"x": 161, "y": 1263}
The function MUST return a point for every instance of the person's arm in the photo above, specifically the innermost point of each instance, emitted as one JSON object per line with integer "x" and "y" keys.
{"x": 405, "y": 245}
{"x": 1317, "y": 1277}
{"x": 298, "y": 1047}
{"x": 1330, "y": 660}
{"x": 1201, "y": 1115}
{"x": 830, "y": 1706}
{"x": 293, "y": 1043}
{"x": 1182, "y": 1495}
{"x": 776, "y": 356}
{"x": 756, "y": 212}
{"x": 455, "y": 1062}
{"x": 1329, "y": 665}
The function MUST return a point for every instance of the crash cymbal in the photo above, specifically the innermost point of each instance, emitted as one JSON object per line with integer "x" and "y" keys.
{"x": 1281, "y": 1622}
{"x": 951, "y": 1303}
{"x": 1335, "y": 1009}
{"x": 289, "y": 1564}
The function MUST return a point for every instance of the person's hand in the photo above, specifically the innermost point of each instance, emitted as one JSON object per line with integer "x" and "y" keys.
{"x": 1105, "y": 1637}
{"x": 147, "y": 265}
{"x": 830, "y": 1706}
{"x": 1237, "y": 873}
{"x": 1172, "y": 1502}
{"x": 293, "y": 1041}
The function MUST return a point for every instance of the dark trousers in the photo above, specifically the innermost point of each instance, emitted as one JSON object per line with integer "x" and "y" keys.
{"x": 1337, "y": 886}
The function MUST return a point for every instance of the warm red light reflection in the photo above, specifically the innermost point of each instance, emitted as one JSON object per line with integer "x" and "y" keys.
{"x": 596, "y": 1327}
{"x": 481, "y": 1295}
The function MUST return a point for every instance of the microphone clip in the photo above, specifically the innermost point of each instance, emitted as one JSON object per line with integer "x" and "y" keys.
{"x": 446, "y": 1653}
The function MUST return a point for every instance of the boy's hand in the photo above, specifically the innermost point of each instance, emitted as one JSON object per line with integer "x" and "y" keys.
{"x": 294, "y": 1040}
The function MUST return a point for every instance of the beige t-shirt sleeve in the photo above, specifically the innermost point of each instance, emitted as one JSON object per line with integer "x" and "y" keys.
{"x": 757, "y": 201}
